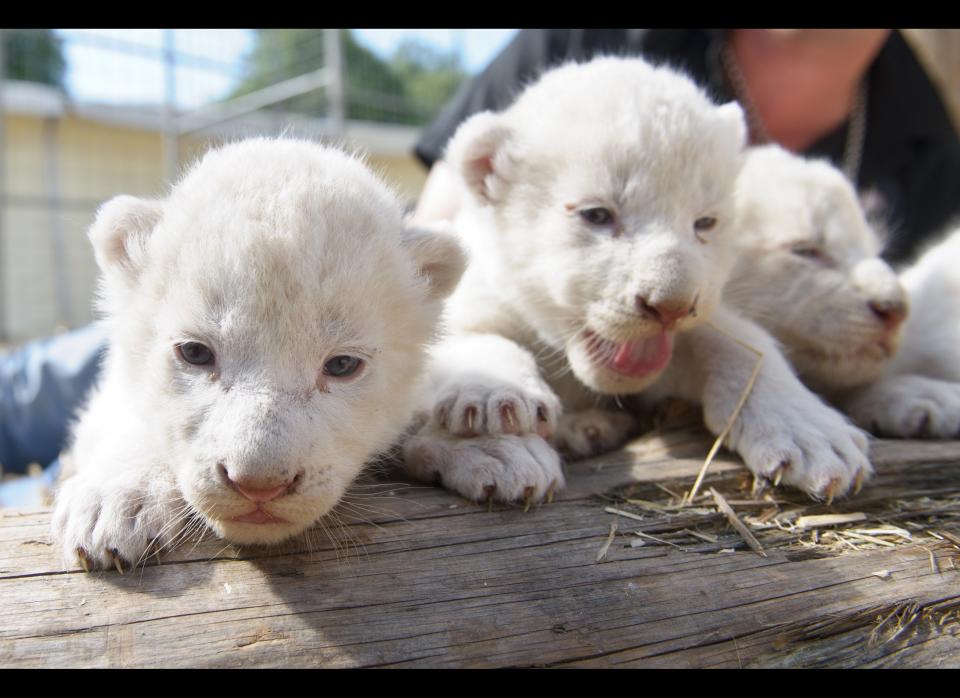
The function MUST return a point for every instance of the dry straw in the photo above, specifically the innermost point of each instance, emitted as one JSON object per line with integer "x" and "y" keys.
{"x": 733, "y": 415}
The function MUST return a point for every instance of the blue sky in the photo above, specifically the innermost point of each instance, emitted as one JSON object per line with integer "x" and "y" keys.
{"x": 122, "y": 66}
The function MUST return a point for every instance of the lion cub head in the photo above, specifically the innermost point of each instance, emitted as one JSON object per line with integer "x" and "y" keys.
{"x": 269, "y": 319}
{"x": 809, "y": 270}
{"x": 601, "y": 205}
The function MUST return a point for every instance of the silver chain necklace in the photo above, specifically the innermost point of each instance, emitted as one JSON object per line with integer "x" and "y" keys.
{"x": 856, "y": 128}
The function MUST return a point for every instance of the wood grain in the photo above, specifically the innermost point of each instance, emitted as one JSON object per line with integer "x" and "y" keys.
{"x": 429, "y": 580}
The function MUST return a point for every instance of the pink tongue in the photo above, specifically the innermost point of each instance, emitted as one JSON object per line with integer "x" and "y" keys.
{"x": 642, "y": 356}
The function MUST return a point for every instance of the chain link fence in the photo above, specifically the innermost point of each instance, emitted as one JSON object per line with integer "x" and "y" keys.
{"x": 88, "y": 114}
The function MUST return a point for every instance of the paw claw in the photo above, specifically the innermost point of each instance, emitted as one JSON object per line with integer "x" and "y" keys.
{"x": 470, "y": 416}
{"x": 527, "y": 498}
{"x": 84, "y": 560}
{"x": 858, "y": 481}
{"x": 117, "y": 559}
{"x": 779, "y": 472}
{"x": 508, "y": 414}
{"x": 550, "y": 489}
{"x": 543, "y": 427}
{"x": 831, "y": 489}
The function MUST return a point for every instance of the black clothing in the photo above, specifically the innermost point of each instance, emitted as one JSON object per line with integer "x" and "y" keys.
{"x": 911, "y": 152}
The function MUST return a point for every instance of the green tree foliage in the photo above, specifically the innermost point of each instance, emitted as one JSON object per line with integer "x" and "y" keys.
{"x": 429, "y": 77}
{"x": 34, "y": 55}
{"x": 409, "y": 89}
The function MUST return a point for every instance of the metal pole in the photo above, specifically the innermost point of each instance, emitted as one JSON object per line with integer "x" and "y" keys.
{"x": 219, "y": 113}
{"x": 333, "y": 57}
{"x": 4, "y": 294}
{"x": 171, "y": 155}
{"x": 460, "y": 45}
{"x": 61, "y": 274}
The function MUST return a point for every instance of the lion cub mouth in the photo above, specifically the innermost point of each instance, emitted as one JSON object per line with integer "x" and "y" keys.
{"x": 258, "y": 516}
{"x": 635, "y": 358}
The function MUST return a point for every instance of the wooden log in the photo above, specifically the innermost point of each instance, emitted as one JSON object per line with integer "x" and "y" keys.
{"x": 431, "y": 580}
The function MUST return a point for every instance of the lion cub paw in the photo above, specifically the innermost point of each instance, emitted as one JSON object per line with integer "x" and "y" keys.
{"x": 113, "y": 523}
{"x": 475, "y": 408}
{"x": 504, "y": 468}
{"x": 809, "y": 446}
{"x": 909, "y": 407}
{"x": 592, "y": 432}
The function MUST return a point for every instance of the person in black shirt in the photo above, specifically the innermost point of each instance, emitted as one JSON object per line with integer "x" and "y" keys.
{"x": 858, "y": 98}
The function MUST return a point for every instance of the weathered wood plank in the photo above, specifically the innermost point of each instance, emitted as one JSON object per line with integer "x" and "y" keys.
{"x": 431, "y": 580}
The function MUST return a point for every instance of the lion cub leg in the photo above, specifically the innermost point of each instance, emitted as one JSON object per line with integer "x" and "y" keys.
{"x": 907, "y": 406}
{"x": 120, "y": 504}
{"x": 501, "y": 467}
{"x": 784, "y": 432}
{"x": 489, "y": 416}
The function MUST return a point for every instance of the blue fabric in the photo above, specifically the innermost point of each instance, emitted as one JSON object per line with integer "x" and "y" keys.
{"x": 29, "y": 492}
{"x": 42, "y": 384}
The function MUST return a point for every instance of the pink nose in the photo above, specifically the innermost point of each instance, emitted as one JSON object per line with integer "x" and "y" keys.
{"x": 260, "y": 490}
{"x": 891, "y": 313}
{"x": 262, "y": 494}
{"x": 666, "y": 314}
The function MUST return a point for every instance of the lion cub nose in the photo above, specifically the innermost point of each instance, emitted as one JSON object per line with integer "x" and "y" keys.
{"x": 667, "y": 314}
{"x": 891, "y": 313}
{"x": 261, "y": 490}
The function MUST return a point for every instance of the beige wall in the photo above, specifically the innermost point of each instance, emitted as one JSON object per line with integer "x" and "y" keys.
{"x": 405, "y": 174}
{"x": 96, "y": 161}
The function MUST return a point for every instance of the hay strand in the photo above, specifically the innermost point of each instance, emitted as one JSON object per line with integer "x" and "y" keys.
{"x": 733, "y": 415}
{"x": 829, "y": 519}
{"x": 606, "y": 546}
{"x": 734, "y": 520}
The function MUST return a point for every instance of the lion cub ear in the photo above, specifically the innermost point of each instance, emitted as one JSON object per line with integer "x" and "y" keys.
{"x": 438, "y": 256}
{"x": 119, "y": 235}
{"x": 478, "y": 151}
{"x": 732, "y": 118}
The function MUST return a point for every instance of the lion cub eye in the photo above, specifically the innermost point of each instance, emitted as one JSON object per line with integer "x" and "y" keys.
{"x": 195, "y": 353}
{"x": 596, "y": 216}
{"x": 703, "y": 225}
{"x": 808, "y": 250}
{"x": 342, "y": 366}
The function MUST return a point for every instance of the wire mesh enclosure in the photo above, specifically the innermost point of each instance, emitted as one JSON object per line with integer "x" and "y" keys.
{"x": 89, "y": 114}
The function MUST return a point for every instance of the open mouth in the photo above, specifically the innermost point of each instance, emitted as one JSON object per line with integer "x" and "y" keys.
{"x": 636, "y": 358}
{"x": 258, "y": 516}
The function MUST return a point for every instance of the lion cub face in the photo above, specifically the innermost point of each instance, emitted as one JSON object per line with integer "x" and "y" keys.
{"x": 270, "y": 320}
{"x": 605, "y": 201}
{"x": 810, "y": 272}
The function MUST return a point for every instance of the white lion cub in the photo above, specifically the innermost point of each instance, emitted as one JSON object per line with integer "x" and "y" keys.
{"x": 267, "y": 327}
{"x": 599, "y": 217}
{"x": 918, "y": 393}
{"x": 809, "y": 271}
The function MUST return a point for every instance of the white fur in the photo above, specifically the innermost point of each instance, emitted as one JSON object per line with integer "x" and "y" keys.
{"x": 918, "y": 394}
{"x": 645, "y": 143}
{"x": 897, "y": 380}
{"x": 278, "y": 255}
{"x": 809, "y": 270}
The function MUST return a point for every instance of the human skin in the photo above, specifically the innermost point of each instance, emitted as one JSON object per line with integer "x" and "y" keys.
{"x": 803, "y": 82}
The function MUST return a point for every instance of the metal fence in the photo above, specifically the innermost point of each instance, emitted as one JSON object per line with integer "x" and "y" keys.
{"x": 88, "y": 114}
